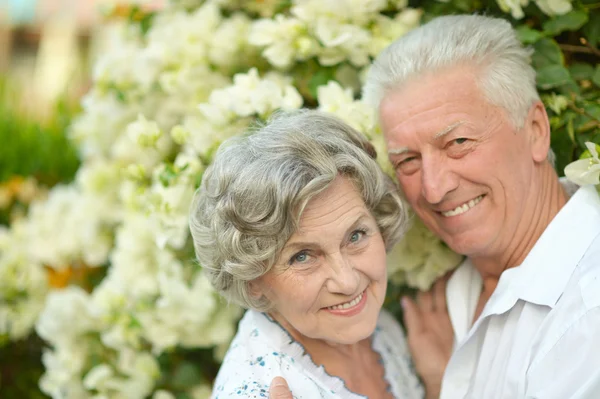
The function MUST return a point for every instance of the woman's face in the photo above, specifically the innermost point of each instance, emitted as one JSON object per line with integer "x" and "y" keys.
{"x": 330, "y": 279}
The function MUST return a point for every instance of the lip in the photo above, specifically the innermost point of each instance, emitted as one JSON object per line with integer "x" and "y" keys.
{"x": 354, "y": 310}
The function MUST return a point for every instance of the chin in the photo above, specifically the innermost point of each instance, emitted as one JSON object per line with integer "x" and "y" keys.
{"x": 352, "y": 337}
{"x": 467, "y": 245}
{"x": 359, "y": 332}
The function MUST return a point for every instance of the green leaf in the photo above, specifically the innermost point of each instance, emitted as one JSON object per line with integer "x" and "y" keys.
{"x": 562, "y": 143}
{"x": 546, "y": 53}
{"x": 580, "y": 71}
{"x": 592, "y": 29}
{"x": 320, "y": 78}
{"x": 596, "y": 76}
{"x": 593, "y": 110}
{"x": 527, "y": 35}
{"x": 552, "y": 76}
{"x": 570, "y": 21}
{"x": 186, "y": 375}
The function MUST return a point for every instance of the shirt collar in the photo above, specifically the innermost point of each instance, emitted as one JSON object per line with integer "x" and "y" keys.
{"x": 545, "y": 272}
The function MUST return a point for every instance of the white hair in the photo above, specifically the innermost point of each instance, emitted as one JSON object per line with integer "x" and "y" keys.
{"x": 252, "y": 196}
{"x": 506, "y": 77}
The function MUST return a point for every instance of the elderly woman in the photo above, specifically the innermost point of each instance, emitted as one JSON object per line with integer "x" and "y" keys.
{"x": 293, "y": 223}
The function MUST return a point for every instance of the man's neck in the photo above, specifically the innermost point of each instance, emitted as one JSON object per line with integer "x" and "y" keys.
{"x": 543, "y": 207}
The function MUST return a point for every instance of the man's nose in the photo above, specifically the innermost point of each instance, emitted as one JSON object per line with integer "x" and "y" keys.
{"x": 344, "y": 278}
{"x": 436, "y": 179}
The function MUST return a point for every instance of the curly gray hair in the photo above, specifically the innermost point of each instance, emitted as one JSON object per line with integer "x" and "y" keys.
{"x": 251, "y": 198}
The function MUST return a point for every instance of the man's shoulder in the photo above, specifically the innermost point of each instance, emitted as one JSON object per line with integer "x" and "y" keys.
{"x": 579, "y": 304}
{"x": 589, "y": 275}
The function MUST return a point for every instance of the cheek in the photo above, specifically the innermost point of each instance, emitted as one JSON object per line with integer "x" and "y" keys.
{"x": 288, "y": 297}
{"x": 375, "y": 262}
{"x": 411, "y": 187}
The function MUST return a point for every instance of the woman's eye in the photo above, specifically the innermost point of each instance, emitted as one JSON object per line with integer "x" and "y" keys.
{"x": 300, "y": 257}
{"x": 356, "y": 236}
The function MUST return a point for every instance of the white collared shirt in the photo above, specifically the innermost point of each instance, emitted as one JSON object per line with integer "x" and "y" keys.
{"x": 539, "y": 333}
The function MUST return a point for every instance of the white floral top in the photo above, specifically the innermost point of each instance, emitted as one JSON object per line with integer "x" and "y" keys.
{"x": 262, "y": 350}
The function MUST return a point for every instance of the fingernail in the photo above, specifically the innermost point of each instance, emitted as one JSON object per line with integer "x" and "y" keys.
{"x": 279, "y": 382}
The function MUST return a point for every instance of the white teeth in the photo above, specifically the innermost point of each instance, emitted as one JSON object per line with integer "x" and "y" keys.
{"x": 463, "y": 208}
{"x": 347, "y": 304}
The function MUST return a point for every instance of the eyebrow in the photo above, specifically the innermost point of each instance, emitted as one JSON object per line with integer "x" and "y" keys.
{"x": 437, "y": 136}
{"x": 447, "y": 130}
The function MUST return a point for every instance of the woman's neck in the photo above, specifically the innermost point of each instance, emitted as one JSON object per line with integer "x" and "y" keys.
{"x": 357, "y": 364}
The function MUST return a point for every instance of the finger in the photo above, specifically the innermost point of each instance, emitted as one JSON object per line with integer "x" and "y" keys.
{"x": 412, "y": 316}
{"x": 439, "y": 295}
{"x": 425, "y": 301}
{"x": 279, "y": 389}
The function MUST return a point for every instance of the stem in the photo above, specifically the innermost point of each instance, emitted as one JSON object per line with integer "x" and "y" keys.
{"x": 586, "y": 49}
{"x": 581, "y": 111}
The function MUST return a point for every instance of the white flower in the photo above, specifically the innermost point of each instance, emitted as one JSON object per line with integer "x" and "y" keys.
{"x": 554, "y": 7}
{"x": 85, "y": 221}
{"x": 135, "y": 244}
{"x": 248, "y": 96}
{"x": 99, "y": 176}
{"x": 201, "y": 392}
{"x": 162, "y": 394}
{"x": 355, "y": 12}
{"x": 420, "y": 258}
{"x": 340, "y": 101}
{"x": 170, "y": 197}
{"x": 556, "y": 102}
{"x": 103, "y": 120}
{"x": 63, "y": 371}
{"x": 200, "y": 137}
{"x": 585, "y": 171}
{"x": 285, "y": 40}
{"x": 66, "y": 316}
{"x": 385, "y": 29}
{"x": 342, "y": 42}
{"x": 515, "y": 7}
{"x": 227, "y": 49}
{"x": 97, "y": 377}
{"x": 143, "y": 132}
{"x": 23, "y": 284}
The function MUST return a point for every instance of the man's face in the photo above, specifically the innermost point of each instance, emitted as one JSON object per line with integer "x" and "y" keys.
{"x": 464, "y": 169}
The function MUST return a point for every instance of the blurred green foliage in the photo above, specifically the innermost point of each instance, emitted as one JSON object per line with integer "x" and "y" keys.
{"x": 34, "y": 148}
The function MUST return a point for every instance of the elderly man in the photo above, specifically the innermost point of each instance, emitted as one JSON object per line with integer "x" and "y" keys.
{"x": 470, "y": 143}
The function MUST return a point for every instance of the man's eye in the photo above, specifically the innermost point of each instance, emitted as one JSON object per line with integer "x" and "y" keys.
{"x": 405, "y": 161}
{"x": 460, "y": 140}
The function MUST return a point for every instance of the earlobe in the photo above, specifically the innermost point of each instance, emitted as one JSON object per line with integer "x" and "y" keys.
{"x": 254, "y": 289}
{"x": 539, "y": 131}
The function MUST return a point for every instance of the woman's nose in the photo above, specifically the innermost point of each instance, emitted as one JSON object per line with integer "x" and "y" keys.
{"x": 343, "y": 277}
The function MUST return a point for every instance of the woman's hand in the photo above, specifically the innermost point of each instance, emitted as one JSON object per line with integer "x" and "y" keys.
{"x": 430, "y": 335}
{"x": 279, "y": 389}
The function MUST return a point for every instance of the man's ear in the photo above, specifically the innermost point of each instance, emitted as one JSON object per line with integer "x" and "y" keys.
{"x": 538, "y": 129}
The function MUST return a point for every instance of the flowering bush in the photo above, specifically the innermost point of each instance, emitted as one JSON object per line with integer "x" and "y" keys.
{"x": 173, "y": 85}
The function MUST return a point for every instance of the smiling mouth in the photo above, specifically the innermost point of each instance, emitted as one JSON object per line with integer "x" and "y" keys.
{"x": 463, "y": 208}
{"x": 349, "y": 304}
